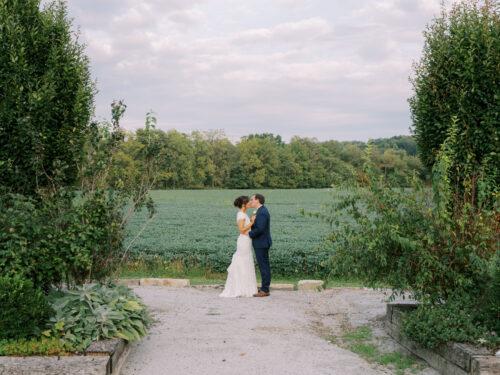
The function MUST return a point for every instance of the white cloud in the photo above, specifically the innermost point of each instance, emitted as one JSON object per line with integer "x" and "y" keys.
{"x": 306, "y": 67}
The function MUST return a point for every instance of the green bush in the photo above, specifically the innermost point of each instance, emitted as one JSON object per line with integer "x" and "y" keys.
{"x": 63, "y": 195}
{"x": 70, "y": 236}
{"x": 432, "y": 324}
{"x": 46, "y": 96}
{"x": 94, "y": 312}
{"x": 62, "y": 238}
{"x": 24, "y": 310}
{"x": 30, "y": 241}
{"x": 434, "y": 244}
{"x": 457, "y": 80}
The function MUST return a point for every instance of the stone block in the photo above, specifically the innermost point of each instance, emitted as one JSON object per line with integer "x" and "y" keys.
{"x": 394, "y": 309}
{"x": 485, "y": 365}
{"x": 310, "y": 285}
{"x": 103, "y": 346}
{"x": 101, "y": 358}
{"x": 128, "y": 282}
{"x": 208, "y": 286}
{"x": 175, "y": 283}
{"x": 450, "y": 359}
{"x": 288, "y": 287}
{"x": 52, "y": 365}
{"x": 461, "y": 354}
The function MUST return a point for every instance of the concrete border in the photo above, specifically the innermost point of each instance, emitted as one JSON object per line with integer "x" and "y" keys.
{"x": 155, "y": 281}
{"x": 452, "y": 358}
{"x": 310, "y": 285}
{"x": 286, "y": 287}
{"x": 301, "y": 285}
{"x": 101, "y": 358}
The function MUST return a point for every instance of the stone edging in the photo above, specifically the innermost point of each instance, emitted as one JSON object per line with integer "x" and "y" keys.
{"x": 116, "y": 349}
{"x": 452, "y": 358}
{"x": 101, "y": 358}
{"x": 302, "y": 285}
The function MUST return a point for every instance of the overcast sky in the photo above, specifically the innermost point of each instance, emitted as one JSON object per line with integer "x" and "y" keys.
{"x": 330, "y": 69}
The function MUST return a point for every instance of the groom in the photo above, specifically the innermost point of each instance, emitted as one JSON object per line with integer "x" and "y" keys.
{"x": 261, "y": 241}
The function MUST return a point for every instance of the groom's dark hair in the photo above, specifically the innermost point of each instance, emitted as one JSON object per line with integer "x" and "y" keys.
{"x": 260, "y": 198}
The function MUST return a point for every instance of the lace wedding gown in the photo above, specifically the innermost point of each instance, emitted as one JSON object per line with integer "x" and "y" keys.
{"x": 241, "y": 280}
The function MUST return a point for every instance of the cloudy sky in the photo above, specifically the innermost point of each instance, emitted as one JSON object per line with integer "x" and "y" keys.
{"x": 330, "y": 69}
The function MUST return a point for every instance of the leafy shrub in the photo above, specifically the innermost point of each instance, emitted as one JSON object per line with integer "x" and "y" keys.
{"x": 58, "y": 239}
{"x": 35, "y": 346}
{"x": 94, "y": 312}
{"x": 432, "y": 324}
{"x": 435, "y": 244}
{"x": 24, "y": 310}
{"x": 63, "y": 235}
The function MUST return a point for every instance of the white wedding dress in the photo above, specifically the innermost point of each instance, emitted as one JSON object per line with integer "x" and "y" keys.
{"x": 241, "y": 280}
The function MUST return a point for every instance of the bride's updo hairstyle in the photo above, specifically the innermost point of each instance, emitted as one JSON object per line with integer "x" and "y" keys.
{"x": 240, "y": 201}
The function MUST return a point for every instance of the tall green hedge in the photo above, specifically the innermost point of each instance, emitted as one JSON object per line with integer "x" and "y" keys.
{"x": 46, "y": 96}
{"x": 457, "y": 81}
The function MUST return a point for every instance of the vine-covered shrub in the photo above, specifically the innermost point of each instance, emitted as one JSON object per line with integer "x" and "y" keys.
{"x": 24, "y": 310}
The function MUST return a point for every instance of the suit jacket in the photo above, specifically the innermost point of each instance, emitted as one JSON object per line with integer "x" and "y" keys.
{"x": 261, "y": 229}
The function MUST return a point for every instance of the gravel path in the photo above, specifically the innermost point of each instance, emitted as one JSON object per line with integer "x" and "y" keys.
{"x": 199, "y": 333}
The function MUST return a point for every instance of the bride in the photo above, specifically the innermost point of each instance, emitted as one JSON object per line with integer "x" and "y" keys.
{"x": 241, "y": 280}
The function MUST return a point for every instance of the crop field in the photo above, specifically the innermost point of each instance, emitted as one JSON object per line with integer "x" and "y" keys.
{"x": 198, "y": 229}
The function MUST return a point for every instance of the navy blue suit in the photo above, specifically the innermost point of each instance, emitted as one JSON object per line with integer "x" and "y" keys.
{"x": 262, "y": 241}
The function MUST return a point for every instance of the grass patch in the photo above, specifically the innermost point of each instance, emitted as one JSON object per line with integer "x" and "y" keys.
{"x": 359, "y": 334}
{"x": 400, "y": 361}
{"x": 359, "y": 341}
{"x": 367, "y": 351}
{"x": 176, "y": 270}
{"x": 339, "y": 282}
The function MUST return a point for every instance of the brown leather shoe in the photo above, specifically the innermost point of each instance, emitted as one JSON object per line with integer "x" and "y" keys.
{"x": 262, "y": 294}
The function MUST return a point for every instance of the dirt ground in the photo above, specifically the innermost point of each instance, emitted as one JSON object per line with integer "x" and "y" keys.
{"x": 196, "y": 332}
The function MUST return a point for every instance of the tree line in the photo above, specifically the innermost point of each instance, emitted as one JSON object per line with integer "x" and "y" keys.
{"x": 210, "y": 160}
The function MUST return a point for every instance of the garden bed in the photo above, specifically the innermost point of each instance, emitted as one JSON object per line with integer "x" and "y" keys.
{"x": 452, "y": 358}
{"x": 101, "y": 358}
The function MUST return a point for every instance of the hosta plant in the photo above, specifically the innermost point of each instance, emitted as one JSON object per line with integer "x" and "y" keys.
{"x": 93, "y": 312}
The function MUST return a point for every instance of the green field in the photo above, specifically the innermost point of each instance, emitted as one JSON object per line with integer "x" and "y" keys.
{"x": 197, "y": 229}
